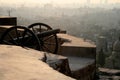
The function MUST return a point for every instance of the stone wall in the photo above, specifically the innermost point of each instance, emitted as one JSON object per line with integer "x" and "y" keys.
{"x": 8, "y": 21}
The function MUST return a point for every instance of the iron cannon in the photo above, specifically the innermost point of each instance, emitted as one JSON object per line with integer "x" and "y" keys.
{"x": 38, "y": 36}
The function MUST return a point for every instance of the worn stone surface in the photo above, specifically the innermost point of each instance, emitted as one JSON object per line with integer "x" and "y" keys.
{"x": 17, "y": 63}
{"x": 109, "y": 71}
{"x": 109, "y": 74}
{"x": 74, "y": 41}
{"x": 59, "y": 63}
{"x": 77, "y": 63}
{"x": 82, "y": 68}
{"x": 86, "y": 73}
{"x": 73, "y": 46}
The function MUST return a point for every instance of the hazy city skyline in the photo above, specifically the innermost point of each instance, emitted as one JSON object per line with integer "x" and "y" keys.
{"x": 55, "y": 2}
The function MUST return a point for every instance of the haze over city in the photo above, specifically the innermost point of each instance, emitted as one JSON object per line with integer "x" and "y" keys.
{"x": 60, "y": 3}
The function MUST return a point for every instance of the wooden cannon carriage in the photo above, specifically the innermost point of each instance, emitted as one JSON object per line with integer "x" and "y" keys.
{"x": 38, "y": 36}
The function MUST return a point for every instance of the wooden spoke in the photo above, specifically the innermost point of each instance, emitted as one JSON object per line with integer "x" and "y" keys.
{"x": 20, "y": 36}
{"x": 46, "y": 42}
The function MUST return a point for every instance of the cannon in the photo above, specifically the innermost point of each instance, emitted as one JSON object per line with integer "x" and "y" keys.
{"x": 38, "y": 36}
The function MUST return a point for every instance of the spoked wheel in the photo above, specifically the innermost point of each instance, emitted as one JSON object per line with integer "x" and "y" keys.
{"x": 20, "y": 36}
{"x": 49, "y": 43}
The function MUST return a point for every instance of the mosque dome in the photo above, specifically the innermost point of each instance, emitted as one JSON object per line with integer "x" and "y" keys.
{"x": 116, "y": 46}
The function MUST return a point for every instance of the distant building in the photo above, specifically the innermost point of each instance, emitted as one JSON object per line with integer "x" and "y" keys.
{"x": 101, "y": 43}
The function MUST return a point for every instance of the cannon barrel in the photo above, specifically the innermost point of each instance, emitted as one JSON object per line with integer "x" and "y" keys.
{"x": 47, "y": 33}
{"x": 40, "y": 35}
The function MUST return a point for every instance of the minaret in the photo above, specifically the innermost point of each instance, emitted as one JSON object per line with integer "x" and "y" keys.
{"x": 101, "y": 43}
{"x": 100, "y": 58}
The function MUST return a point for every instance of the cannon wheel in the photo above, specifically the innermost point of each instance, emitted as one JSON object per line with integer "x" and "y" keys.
{"x": 20, "y": 36}
{"x": 49, "y": 43}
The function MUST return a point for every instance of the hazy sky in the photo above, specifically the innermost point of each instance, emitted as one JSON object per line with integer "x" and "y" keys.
{"x": 57, "y": 1}
{"x": 54, "y": 1}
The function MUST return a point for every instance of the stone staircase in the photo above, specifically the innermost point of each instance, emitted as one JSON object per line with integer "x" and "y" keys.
{"x": 80, "y": 54}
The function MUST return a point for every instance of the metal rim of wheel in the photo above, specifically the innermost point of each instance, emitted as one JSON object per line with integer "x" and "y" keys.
{"x": 49, "y": 43}
{"x": 20, "y": 36}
